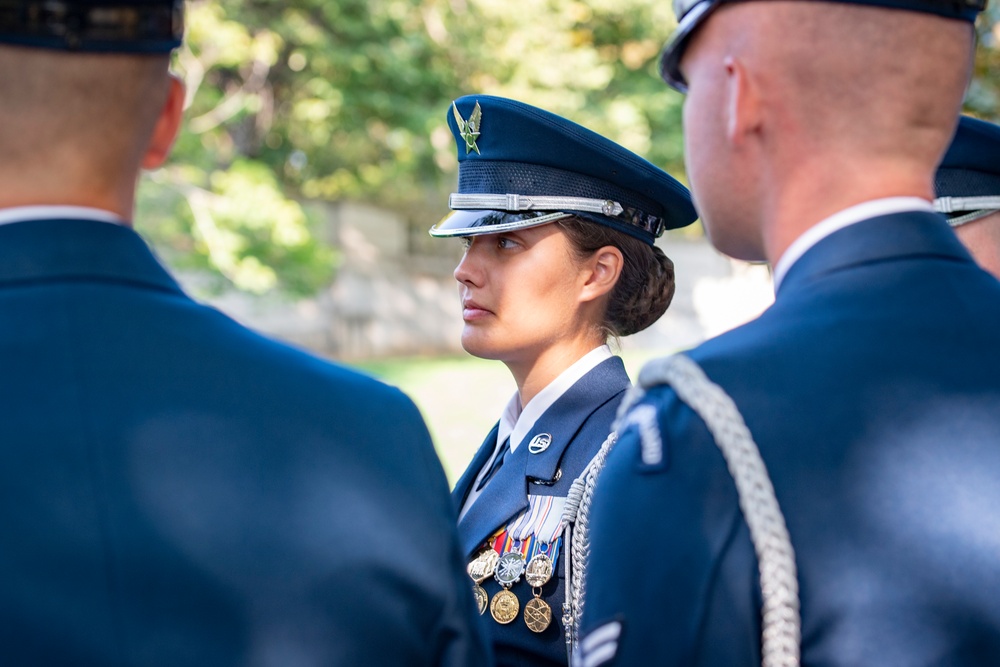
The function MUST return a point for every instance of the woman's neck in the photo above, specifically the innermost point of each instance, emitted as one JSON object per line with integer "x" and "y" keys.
{"x": 532, "y": 376}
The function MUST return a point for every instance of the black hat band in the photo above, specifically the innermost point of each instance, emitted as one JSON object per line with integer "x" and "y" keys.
{"x": 111, "y": 26}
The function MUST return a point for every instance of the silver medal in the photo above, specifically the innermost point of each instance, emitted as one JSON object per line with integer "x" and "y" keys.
{"x": 510, "y": 567}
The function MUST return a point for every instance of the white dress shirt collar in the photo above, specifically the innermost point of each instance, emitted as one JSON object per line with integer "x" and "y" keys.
{"x": 28, "y": 213}
{"x": 517, "y": 421}
{"x": 840, "y": 220}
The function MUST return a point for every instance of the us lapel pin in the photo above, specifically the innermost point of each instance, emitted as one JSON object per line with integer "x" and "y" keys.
{"x": 540, "y": 443}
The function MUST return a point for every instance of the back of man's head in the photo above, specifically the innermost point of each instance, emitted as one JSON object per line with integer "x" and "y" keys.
{"x": 878, "y": 82}
{"x": 822, "y": 105}
{"x": 84, "y": 90}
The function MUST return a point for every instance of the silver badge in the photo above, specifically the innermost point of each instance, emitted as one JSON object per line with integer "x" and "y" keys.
{"x": 469, "y": 129}
{"x": 510, "y": 567}
{"x": 540, "y": 443}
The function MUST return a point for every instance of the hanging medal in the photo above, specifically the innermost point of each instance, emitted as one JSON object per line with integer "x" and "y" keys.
{"x": 481, "y": 567}
{"x": 538, "y": 613}
{"x": 509, "y": 569}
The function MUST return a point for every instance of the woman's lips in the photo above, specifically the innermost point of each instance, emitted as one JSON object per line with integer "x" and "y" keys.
{"x": 472, "y": 311}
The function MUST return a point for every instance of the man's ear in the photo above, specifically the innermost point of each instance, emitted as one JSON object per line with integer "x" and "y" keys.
{"x": 167, "y": 126}
{"x": 605, "y": 267}
{"x": 742, "y": 103}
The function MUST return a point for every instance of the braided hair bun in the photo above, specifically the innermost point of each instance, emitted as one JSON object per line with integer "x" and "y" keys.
{"x": 645, "y": 287}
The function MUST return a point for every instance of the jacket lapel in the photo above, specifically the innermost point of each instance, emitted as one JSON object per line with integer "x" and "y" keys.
{"x": 464, "y": 484}
{"x": 567, "y": 415}
{"x": 503, "y": 498}
{"x": 506, "y": 495}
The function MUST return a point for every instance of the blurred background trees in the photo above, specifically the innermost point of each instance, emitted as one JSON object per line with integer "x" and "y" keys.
{"x": 300, "y": 101}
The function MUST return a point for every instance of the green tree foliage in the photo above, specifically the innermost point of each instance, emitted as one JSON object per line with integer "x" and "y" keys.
{"x": 983, "y": 99}
{"x": 305, "y": 100}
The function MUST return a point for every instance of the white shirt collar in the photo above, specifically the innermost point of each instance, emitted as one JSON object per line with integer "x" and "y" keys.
{"x": 516, "y": 422}
{"x": 837, "y": 221}
{"x": 27, "y": 213}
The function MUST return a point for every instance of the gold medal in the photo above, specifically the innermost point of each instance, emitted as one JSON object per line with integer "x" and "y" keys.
{"x": 481, "y": 598}
{"x": 504, "y": 607}
{"x": 537, "y": 614}
{"x": 483, "y": 565}
{"x": 539, "y": 570}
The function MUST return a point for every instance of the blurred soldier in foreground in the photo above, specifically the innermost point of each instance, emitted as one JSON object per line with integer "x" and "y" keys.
{"x": 968, "y": 190}
{"x": 177, "y": 490}
{"x": 864, "y": 520}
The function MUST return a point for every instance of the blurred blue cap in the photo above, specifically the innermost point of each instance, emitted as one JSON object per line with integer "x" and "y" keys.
{"x": 967, "y": 183}
{"x": 103, "y": 26}
{"x": 520, "y": 166}
{"x": 692, "y": 13}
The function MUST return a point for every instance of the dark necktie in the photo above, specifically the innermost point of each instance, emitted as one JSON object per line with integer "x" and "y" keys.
{"x": 497, "y": 462}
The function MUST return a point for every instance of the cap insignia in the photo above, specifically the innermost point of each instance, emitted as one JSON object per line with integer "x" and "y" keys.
{"x": 469, "y": 129}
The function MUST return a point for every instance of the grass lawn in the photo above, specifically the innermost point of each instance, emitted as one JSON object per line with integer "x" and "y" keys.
{"x": 461, "y": 397}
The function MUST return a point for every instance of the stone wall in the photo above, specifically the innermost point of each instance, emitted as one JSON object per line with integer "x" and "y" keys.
{"x": 394, "y": 293}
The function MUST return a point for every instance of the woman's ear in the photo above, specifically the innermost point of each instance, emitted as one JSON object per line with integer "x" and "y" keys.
{"x": 605, "y": 266}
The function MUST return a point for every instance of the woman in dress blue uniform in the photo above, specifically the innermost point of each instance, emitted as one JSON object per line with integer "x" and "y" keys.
{"x": 559, "y": 225}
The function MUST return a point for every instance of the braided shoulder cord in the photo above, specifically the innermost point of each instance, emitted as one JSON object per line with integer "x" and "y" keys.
{"x": 781, "y": 636}
{"x": 577, "y": 514}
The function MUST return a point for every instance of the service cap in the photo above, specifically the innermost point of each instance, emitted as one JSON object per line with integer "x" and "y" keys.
{"x": 103, "y": 26}
{"x": 520, "y": 166}
{"x": 692, "y": 13}
{"x": 967, "y": 182}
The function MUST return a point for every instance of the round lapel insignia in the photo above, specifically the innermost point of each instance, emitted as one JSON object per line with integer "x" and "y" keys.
{"x": 540, "y": 443}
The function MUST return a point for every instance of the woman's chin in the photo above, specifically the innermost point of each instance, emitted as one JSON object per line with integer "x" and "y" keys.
{"x": 478, "y": 345}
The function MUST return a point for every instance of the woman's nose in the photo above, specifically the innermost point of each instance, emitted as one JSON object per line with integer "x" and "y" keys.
{"x": 469, "y": 269}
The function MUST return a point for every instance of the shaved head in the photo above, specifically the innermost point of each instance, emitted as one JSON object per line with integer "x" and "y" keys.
{"x": 77, "y": 116}
{"x": 798, "y": 109}
{"x": 885, "y": 81}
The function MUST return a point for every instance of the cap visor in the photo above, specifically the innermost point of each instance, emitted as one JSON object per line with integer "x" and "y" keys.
{"x": 476, "y": 223}
{"x": 670, "y": 60}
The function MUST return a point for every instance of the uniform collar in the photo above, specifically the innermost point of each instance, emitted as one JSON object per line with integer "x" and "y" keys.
{"x": 506, "y": 494}
{"x": 76, "y": 249}
{"x": 840, "y": 220}
{"x": 29, "y": 213}
{"x": 877, "y": 239}
{"x": 515, "y": 422}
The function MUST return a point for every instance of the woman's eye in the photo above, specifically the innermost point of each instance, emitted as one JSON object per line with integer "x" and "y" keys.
{"x": 466, "y": 242}
{"x": 505, "y": 243}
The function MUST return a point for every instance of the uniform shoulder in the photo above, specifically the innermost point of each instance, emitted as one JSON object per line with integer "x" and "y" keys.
{"x": 258, "y": 357}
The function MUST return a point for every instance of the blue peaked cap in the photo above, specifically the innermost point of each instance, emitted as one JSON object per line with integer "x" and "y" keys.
{"x": 692, "y": 13}
{"x": 967, "y": 182}
{"x": 98, "y": 26}
{"x": 520, "y": 166}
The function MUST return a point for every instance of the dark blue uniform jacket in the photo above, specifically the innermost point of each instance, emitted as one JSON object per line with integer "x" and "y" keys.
{"x": 579, "y": 422}
{"x": 872, "y": 387}
{"x": 177, "y": 490}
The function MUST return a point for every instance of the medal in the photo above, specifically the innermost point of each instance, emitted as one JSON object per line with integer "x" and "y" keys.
{"x": 509, "y": 569}
{"x": 483, "y": 565}
{"x": 504, "y": 607}
{"x": 479, "y": 568}
{"x": 539, "y": 570}
{"x": 537, "y": 614}
{"x": 481, "y": 598}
